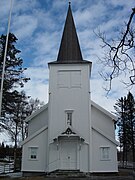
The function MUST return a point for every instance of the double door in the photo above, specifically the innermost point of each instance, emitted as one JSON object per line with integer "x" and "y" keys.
{"x": 68, "y": 155}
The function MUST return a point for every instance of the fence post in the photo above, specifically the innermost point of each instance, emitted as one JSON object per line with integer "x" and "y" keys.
{"x": 4, "y": 168}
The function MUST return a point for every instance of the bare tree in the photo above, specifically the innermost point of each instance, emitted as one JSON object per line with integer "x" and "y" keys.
{"x": 120, "y": 54}
{"x": 14, "y": 122}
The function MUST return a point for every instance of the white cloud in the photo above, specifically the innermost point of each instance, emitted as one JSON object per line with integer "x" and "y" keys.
{"x": 24, "y": 26}
{"x": 45, "y": 20}
{"x": 24, "y": 6}
{"x": 127, "y": 4}
{"x": 37, "y": 73}
{"x": 99, "y": 95}
{"x": 45, "y": 43}
{"x": 37, "y": 87}
{"x": 4, "y": 9}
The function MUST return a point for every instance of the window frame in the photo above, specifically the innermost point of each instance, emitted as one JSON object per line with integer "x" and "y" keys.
{"x": 33, "y": 154}
{"x": 69, "y": 117}
{"x": 69, "y": 78}
{"x": 105, "y": 156}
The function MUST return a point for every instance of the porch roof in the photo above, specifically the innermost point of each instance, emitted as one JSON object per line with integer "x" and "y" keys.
{"x": 69, "y": 132}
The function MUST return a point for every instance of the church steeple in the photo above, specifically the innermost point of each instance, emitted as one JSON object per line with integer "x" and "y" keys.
{"x": 69, "y": 51}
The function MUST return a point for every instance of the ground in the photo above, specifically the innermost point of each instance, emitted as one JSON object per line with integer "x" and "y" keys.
{"x": 92, "y": 178}
{"x": 123, "y": 174}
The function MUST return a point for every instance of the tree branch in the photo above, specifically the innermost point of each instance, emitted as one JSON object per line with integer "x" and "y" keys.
{"x": 120, "y": 55}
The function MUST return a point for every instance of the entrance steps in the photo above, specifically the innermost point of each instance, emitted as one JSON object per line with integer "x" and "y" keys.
{"x": 67, "y": 174}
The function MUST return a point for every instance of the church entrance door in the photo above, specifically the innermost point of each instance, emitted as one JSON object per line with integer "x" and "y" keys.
{"x": 68, "y": 155}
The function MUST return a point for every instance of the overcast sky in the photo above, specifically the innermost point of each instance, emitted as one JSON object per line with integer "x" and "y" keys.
{"x": 38, "y": 25}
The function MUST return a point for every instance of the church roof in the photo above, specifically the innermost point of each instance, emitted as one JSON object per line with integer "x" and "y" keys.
{"x": 69, "y": 51}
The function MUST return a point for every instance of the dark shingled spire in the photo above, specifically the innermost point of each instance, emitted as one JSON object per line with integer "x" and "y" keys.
{"x": 69, "y": 51}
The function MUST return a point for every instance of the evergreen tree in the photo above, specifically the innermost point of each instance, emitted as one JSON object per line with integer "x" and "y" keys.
{"x": 2, "y": 152}
{"x": 130, "y": 113}
{"x": 14, "y": 76}
{"x": 119, "y": 107}
{"x": 125, "y": 110}
{"x": 16, "y": 106}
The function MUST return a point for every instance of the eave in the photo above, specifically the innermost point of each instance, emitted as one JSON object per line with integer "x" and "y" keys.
{"x": 105, "y": 135}
{"x": 113, "y": 117}
{"x": 36, "y": 113}
{"x": 34, "y": 135}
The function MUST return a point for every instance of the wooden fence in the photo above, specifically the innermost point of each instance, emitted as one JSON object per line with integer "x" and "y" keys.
{"x": 126, "y": 164}
{"x": 6, "y": 168}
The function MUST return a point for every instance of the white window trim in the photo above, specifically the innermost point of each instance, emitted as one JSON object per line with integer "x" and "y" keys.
{"x": 66, "y": 113}
{"x": 101, "y": 153}
{"x": 29, "y": 153}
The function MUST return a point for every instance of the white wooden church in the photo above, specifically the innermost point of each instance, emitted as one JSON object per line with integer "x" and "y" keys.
{"x": 71, "y": 132}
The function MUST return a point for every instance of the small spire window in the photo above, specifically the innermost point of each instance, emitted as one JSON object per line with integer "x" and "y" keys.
{"x": 69, "y": 117}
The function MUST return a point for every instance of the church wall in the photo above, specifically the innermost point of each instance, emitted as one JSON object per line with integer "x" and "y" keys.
{"x": 69, "y": 97}
{"x": 69, "y": 91}
{"x": 54, "y": 159}
{"x": 40, "y": 163}
{"x": 102, "y": 121}
{"x": 55, "y": 155}
{"x": 84, "y": 160}
{"x": 103, "y": 161}
{"x": 38, "y": 122}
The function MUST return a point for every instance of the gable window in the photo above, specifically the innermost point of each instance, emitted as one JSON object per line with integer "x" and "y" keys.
{"x": 33, "y": 153}
{"x": 75, "y": 77}
{"x": 63, "y": 79}
{"x": 69, "y": 78}
{"x": 69, "y": 117}
{"x": 105, "y": 153}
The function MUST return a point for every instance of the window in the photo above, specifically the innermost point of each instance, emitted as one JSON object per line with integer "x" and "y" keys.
{"x": 69, "y": 119}
{"x": 69, "y": 114}
{"x": 69, "y": 78}
{"x": 63, "y": 79}
{"x": 33, "y": 153}
{"x": 75, "y": 77}
{"x": 105, "y": 153}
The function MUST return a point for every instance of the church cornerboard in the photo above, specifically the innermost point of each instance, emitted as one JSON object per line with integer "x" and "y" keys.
{"x": 70, "y": 132}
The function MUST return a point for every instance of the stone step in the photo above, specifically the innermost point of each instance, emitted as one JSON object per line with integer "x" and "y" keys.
{"x": 67, "y": 173}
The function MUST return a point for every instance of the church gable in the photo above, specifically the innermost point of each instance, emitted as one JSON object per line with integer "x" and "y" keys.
{"x": 107, "y": 113}
{"x": 37, "y": 120}
{"x": 104, "y": 135}
{"x": 102, "y": 119}
{"x": 36, "y": 113}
